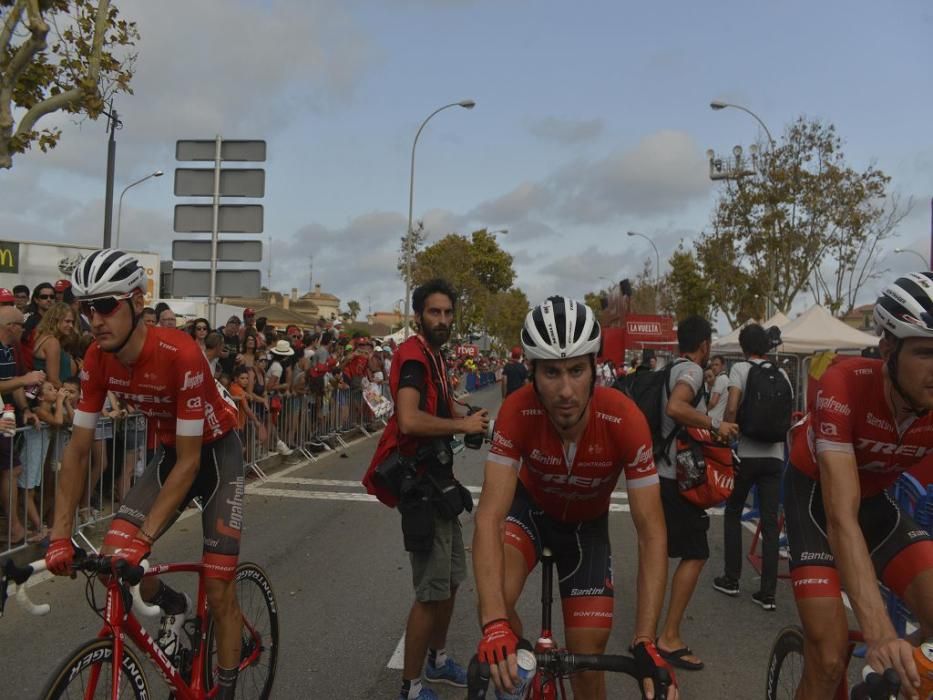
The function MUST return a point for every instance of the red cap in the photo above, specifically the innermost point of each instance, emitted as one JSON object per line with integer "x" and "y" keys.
{"x": 319, "y": 370}
{"x": 248, "y": 312}
{"x": 6, "y": 296}
{"x": 516, "y": 353}
{"x": 62, "y": 285}
{"x": 331, "y": 361}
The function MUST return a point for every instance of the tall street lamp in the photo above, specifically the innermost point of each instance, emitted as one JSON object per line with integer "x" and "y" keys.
{"x": 466, "y": 104}
{"x": 926, "y": 265}
{"x": 657, "y": 256}
{"x": 157, "y": 173}
{"x": 717, "y": 105}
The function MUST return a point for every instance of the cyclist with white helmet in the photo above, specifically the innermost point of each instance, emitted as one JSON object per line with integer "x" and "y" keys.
{"x": 163, "y": 374}
{"x": 560, "y": 445}
{"x": 870, "y": 422}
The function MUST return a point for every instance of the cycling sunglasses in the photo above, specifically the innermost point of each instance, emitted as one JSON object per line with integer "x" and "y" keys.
{"x": 104, "y": 306}
{"x": 45, "y": 296}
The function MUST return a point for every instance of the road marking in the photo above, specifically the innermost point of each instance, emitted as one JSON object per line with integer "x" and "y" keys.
{"x": 317, "y": 495}
{"x": 398, "y": 656}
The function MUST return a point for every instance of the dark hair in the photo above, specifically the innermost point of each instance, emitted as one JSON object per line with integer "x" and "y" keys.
{"x": 261, "y": 323}
{"x": 240, "y": 369}
{"x": 20, "y": 288}
{"x": 327, "y": 338}
{"x": 718, "y": 357}
{"x": 434, "y": 286}
{"x": 754, "y": 340}
{"x": 33, "y": 307}
{"x": 149, "y": 310}
{"x": 692, "y": 332}
{"x": 193, "y": 329}
{"x": 213, "y": 340}
{"x": 74, "y": 379}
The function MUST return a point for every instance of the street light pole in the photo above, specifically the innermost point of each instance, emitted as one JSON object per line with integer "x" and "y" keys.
{"x": 926, "y": 264}
{"x": 657, "y": 271}
{"x": 157, "y": 173}
{"x": 466, "y": 104}
{"x": 717, "y": 105}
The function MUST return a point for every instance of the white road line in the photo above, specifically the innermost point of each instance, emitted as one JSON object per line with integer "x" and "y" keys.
{"x": 317, "y": 495}
{"x": 398, "y": 656}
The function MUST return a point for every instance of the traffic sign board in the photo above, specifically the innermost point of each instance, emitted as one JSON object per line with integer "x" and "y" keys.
{"x": 232, "y": 218}
{"x": 227, "y": 251}
{"x": 199, "y": 182}
{"x": 230, "y": 283}
{"x": 254, "y": 151}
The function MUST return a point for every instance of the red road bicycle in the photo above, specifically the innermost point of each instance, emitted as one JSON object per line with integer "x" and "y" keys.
{"x": 554, "y": 665}
{"x": 108, "y": 667}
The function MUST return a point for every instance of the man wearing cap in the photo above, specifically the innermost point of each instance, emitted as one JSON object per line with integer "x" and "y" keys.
{"x": 514, "y": 373}
{"x": 249, "y": 324}
{"x": 61, "y": 286}
{"x": 6, "y": 297}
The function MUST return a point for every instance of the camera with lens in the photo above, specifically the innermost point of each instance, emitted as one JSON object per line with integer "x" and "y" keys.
{"x": 475, "y": 440}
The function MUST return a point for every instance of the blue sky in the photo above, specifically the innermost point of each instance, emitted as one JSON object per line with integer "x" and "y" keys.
{"x": 592, "y": 118}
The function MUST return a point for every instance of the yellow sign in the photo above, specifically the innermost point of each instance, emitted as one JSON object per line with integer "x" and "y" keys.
{"x": 9, "y": 256}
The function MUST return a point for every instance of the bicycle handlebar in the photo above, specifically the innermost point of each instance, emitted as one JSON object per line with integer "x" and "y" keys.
{"x": 877, "y": 686}
{"x": 13, "y": 580}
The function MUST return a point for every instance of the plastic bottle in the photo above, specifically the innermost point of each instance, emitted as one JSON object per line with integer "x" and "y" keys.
{"x": 9, "y": 414}
{"x": 923, "y": 658}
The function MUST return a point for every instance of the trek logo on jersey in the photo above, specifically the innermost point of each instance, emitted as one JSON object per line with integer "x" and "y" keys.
{"x": 532, "y": 412}
{"x": 192, "y": 380}
{"x": 138, "y": 399}
{"x": 586, "y": 482}
{"x": 832, "y": 404}
{"x": 863, "y": 371}
{"x": 612, "y": 419}
{"x": 549, "y": 460}
{"x": 166, "y": 346}
{"x": 500, "y": 440}
{"x": 890, "y": 448}
{"x": 876, "y": 422}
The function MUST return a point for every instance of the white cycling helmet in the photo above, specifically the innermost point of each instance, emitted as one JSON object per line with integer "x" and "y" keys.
{"x": 107, "y": 271}
{"x": 905, "y": 308}
{"x": 560, "y": 328}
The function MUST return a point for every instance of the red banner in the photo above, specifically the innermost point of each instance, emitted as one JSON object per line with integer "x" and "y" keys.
{"x": 649, "y": 331}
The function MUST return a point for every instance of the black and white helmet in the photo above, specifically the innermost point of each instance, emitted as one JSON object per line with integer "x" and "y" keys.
{"x": 560, "y": 328}
{"x": 905, "y": 308}
{"x": 107, "y": 271}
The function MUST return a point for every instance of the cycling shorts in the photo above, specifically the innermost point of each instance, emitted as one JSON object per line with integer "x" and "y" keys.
{"x": 219, "y": 486}
{"x": 900, "y": 549}
{"x": 581, "y": 553}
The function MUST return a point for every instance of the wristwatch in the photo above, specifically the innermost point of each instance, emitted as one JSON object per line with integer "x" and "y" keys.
{"x": 714, "y": 423}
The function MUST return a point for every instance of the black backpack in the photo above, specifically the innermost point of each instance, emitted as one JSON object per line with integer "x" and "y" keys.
{"x": 767, "y": 404}
{"x": 649, "y": 390}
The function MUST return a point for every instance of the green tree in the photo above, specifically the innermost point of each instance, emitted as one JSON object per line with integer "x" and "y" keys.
{"x": 476, "y": 267}
{"x": 58, "y": 55}
{"x": 353, "y": 309}
{"x": 597, "y": 301}
{"x": 506, "y": 315}
{"x": 799, "y": 219}
{"x": 685, "y": 291}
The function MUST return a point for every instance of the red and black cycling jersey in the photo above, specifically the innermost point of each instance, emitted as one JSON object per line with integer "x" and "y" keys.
{"x": 850, "y": 414}
{"x": 170, "y": 383}
{"x": 575, "y": 485}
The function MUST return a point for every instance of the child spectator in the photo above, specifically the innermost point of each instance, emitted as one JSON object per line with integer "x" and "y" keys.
{"x": 49, "y": 407}
{"x": 238, "y": 390}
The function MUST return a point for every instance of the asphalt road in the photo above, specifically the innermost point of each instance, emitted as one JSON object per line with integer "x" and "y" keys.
{"x": 343, "y": 585}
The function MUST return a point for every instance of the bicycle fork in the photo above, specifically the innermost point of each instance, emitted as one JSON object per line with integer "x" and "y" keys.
{"x": 544, "y": 687}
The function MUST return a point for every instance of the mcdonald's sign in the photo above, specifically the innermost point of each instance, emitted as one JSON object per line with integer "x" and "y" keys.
{"x": 9, "y": 257}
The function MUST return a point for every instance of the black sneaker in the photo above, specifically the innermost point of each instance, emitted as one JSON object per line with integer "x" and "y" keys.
{"x": 726, "y": 585}
{"x": 765, "y": 601}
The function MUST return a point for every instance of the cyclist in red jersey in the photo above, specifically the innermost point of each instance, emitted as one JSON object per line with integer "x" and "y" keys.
{"x": 870, "y": 422}
{"x": 559, "y": 447}
{"x": 162, "y": 373}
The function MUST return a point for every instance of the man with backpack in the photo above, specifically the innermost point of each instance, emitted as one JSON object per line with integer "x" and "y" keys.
{"x": 683, "y": 404}
{"x": 761, "y": 400}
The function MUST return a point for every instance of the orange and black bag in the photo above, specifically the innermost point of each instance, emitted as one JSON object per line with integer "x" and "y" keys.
{"x": 705, "y": 475}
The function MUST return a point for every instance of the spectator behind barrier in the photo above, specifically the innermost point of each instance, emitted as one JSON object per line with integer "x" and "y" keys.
{"x": 21, "y": 297}
{"x": 55, "y": 332}
{"x": 149, "y": 316}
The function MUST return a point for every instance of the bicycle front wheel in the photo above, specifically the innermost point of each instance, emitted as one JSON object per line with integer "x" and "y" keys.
{"x": 260, "y": 635}
{"x": 785, "y": 665}
{"x": 88, "y": 673}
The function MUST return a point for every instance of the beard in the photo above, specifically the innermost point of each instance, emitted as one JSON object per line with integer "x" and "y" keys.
{"x": 437, "y": 335}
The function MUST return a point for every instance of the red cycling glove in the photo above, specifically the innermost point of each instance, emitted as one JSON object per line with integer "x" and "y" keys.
{"x": 648, "y": 662}
{"x": 497, "y": 643}
{"x": 60, "y": 556}
{"x": 134, "y": 552}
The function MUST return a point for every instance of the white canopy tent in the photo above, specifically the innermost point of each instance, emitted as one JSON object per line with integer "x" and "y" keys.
{"x": 817, "y": 329}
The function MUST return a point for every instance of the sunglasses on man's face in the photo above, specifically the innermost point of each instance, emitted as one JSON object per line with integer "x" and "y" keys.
{"x": 105, "y": 306}
{"x": 45, "y": 296}
{"x": 200, "y": 328}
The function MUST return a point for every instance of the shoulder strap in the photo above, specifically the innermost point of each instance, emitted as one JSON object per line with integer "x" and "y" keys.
{"x": 669, "y": 438}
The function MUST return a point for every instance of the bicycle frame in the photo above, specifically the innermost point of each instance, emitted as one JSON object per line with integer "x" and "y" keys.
{"x": 546, "y": 688}
{"x": 119, "y": 622}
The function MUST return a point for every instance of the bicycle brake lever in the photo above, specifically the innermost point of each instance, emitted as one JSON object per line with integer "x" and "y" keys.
{"x": 141, "y": 607}
{"x": 22, "y": 598}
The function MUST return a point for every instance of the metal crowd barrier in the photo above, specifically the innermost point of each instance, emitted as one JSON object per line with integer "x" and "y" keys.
{"x": 29, "y": 470}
